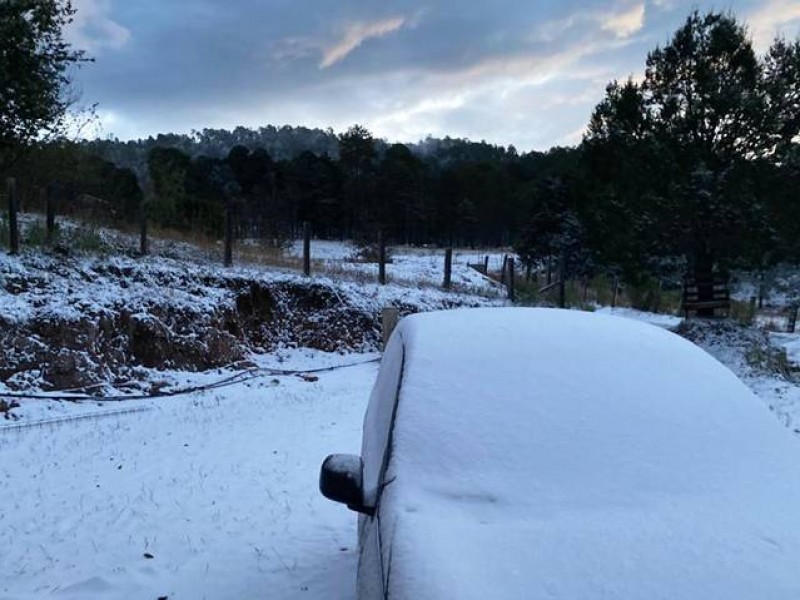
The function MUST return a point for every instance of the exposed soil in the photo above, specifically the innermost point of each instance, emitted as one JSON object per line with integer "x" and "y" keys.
{"x": 102, "y": 320}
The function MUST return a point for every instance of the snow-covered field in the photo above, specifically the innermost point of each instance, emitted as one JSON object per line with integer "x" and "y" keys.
{"x": 212, "y": 495}
{"x": 410, "y": 265}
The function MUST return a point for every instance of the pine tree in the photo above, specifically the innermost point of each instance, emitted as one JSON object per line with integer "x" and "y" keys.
{"x": 34, "y": 72}
{"x": 682, "y": 148}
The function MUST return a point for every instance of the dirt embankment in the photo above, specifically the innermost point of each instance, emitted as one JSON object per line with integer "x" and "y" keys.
{"x": 78, "y": 351}
{"x": 71, "y": 326}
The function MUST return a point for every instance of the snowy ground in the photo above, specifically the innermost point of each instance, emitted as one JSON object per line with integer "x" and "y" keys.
{"x": 410, "y": 265}
{"x": 67, "y": 289}
{"x": 791, "y": 343}
{"x": 660, "y": 320}
{"x": 765, "y": 362}
{"x": 220, "y": 489}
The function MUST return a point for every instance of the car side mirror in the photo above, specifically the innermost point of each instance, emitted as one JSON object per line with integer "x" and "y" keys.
{"x": 340, "y": 481}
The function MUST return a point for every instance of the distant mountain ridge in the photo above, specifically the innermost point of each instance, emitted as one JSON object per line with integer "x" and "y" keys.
{"x": 283, "y": 143}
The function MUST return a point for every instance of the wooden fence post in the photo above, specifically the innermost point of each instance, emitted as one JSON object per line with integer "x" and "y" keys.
{"x": 228, "y": 259}
{"x": 13, "y": 225}
{"x": 656, "y": 305}
{"x": 616, "y": 292}
{"x": 793, "y": 317}
{"x": 381, "y": 259}
{"x": 486, "y": 265}
{"x": 510, "y": 286}
{"x": 48, "y": 193}
{"x": 562, "y": 284}
{"x": 503, "y": 269}
{"x": 306, "y": 248}
{"x": 448, "y": 267}
{"x": 389, "y": 318}
{"x": 143, "y": 242}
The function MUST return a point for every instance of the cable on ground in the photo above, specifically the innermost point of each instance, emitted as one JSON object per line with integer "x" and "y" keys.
{"x": 234, "y": 379}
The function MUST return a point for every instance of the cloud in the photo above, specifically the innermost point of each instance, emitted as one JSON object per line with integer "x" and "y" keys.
{"x": 622, "y": 23}
{"x": 771, "y": 19}
{"x": 507, "y": 72}
{"x": 93, "y": 29}
{"x": 573, "y": 138}
{"x": 526, "y": 89}
{"x": 293, "y": 48}
{"x": 424, "y": 109}
{"x": 356, "y": 34}
{"x": 625, "y": 23}
{"x": 534, "y": 66}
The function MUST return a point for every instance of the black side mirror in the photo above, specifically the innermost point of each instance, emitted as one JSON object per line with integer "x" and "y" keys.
{"x": 340, "y": 481}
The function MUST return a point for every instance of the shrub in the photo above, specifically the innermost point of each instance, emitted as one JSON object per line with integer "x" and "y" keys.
{"x": 370, "y": 253}
{"x": 87, "y": 239}
{"x": 35, "y": 235}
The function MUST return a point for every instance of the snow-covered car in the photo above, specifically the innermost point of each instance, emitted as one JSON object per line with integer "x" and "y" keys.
{"x": 535, "y": 453}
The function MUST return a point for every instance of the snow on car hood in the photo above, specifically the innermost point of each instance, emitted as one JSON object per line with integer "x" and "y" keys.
{"x": 557, "y": 454}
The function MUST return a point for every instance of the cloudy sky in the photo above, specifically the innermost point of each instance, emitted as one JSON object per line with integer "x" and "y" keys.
{"x": 516, "y": 72}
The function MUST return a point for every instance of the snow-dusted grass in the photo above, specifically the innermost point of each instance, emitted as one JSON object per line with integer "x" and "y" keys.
{"x": 219, "y": 488}
{"x": 325, "y": 250}
{"x": 192, "y": 247}
{"x": 767, "y": 363}
{"x": 661, "y": 320}
{"x": 85, "y": 283}
{"x": 409, "y": 266}
{"x": 790, "y": 342}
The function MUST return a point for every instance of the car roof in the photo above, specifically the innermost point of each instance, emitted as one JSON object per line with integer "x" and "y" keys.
{"x": 576, "y": 434}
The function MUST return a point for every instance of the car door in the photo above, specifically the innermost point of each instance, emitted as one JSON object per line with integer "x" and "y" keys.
{"x": 376, "y": 455}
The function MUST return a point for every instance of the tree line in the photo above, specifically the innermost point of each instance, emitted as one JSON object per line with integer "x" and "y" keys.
{"x": 453, "y": 192}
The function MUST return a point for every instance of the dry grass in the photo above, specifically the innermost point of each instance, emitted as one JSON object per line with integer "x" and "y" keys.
{"x": 743, "y": 312}
{"x": 340, "y": 272}
{"x": 249, "y": 253}
{"x": 598, "y": 291}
